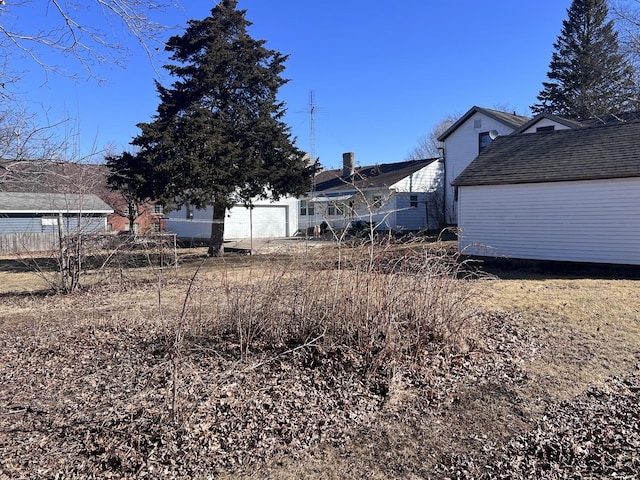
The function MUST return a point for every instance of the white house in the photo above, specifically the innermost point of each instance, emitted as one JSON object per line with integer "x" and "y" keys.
{"x": 403, "y": 196}
{"x": 465, "y": 139}
{"x": 266, "y": 219}
{"x": 566, "y": 194}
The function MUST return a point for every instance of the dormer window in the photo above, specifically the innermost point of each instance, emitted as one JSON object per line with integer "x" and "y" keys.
{"x": 548, "y": 128}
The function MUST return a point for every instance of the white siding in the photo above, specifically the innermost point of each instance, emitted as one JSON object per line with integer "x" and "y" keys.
{"x": 357, "y": 206}
{"x": 586, "y": 221}
{"x": 461, "y": 147}
{"x": 410, "y": 218}
{"x": 545, "y": 122}
{"x": 268, "y": 219}
{"x": 426, "y": 179}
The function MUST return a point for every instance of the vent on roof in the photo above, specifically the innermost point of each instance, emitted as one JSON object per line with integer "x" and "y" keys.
{"x": 477, "y": 123}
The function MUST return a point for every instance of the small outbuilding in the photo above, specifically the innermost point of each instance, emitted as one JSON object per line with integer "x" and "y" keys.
{"x": 565, "y": 195}
{"x": 42, "y": 213}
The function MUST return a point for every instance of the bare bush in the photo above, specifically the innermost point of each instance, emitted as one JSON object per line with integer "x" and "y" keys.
{"x": 387, "y": 312}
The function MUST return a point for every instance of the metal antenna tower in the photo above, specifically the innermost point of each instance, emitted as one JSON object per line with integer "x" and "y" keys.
{"x": 312, "y": 127}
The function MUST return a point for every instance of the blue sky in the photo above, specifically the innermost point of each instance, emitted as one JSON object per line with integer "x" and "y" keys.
{"x": 382, "y": 73}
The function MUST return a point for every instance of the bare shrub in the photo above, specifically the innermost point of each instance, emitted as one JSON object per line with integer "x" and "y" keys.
{"x": 388, "y": 312}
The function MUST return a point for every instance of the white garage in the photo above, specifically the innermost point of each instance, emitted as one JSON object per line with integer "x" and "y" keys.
{"x": 266, "y": 220}
{"x": 569, "y": 195}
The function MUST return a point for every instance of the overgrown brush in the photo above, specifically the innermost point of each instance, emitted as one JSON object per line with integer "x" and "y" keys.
{"x": 388, "y": 311}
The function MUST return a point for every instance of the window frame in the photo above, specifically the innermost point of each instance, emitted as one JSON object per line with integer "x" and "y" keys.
{"x": 484, "y": 136}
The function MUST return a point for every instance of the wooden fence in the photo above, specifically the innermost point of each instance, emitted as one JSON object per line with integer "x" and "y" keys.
{"x": 16, "y": 243}
{"x": 22, "y": 243}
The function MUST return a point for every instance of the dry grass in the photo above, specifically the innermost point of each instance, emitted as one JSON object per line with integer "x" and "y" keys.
{"x": 588, "y": 329}
{"x": 407, "y": 364}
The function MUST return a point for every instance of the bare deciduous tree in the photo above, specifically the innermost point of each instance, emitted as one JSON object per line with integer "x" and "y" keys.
{"x": 627, "y": 17}
{"x": 92, "y": 32}
{"x": 428, "y": 144}
{"x": 22, "y": 138}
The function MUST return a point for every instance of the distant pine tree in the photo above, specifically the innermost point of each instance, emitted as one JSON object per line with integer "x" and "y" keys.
{"x": 588, "y": 77}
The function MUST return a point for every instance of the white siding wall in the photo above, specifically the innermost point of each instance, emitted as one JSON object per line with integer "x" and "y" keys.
{"x": 410, "y": 218}
{"x": 424, "y": 180}
{"x": 545, "y": 122}
{"x": 461, "y": 147}
{"x": 586, "y": 221}
{"x": 269, "y": 219}
{"x": 366, "y": 209}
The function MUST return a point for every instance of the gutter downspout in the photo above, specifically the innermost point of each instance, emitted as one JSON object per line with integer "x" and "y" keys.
{"x": 444, "y": 184}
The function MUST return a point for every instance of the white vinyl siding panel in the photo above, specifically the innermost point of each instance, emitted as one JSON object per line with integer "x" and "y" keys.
{"x": 545, "y": 122}
{"x": 272, "y": 219}
{"x": 587, "y": 221}
{"x": 410, "y": 218}
{"x": 424, "y": 180}
{"x": 461, "y": 147}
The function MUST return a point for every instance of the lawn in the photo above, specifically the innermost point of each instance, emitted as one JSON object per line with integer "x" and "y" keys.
{"x": 307, "y": 365}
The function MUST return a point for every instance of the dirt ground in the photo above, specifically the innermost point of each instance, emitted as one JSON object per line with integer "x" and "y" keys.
{"x": 550, "y": 391}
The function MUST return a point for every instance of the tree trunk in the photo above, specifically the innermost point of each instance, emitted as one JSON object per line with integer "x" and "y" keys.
{"x": 216, "y": 242}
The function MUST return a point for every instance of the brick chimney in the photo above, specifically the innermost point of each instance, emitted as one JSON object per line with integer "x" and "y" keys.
{"x": 348, "y": 164}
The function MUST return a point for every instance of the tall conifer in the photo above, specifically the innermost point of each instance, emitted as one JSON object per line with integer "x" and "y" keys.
{"x": 588, "y": 77}
{"x": 218, "y": 137}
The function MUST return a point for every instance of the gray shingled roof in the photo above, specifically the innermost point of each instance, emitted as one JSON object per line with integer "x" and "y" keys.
{"x": 16, "y": 202}
{"x": 609, "y": 151}
{"x": 383, "y": 175}
{"x": 512, "y": 120}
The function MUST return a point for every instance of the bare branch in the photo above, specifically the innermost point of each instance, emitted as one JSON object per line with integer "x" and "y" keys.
{"x": 65, "y": 30}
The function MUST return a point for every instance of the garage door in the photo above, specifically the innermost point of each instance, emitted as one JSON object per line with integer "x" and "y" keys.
{"x": 264, "y": 220}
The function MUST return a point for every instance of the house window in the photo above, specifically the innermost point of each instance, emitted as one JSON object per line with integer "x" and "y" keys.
{"x": 155, "y": 227}
{"x": 337, "y": 208}
{"x": 548, "y": 128}
{"x": 484, "y": 139}
{"x": 157, "y": 209}
{"x": 307, "y": 208}
{"x": 413, "y": 201}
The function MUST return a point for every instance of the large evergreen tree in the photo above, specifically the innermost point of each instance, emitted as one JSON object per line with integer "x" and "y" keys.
{"x": 218, "y": 137}
{"x": 588, "y": 77}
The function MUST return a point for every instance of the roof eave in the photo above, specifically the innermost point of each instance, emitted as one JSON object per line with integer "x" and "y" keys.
{"x": 475, "y": 109}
